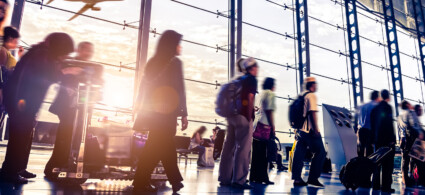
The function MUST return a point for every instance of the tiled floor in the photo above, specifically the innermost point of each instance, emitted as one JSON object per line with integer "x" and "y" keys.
{"x": 197, "y": 181}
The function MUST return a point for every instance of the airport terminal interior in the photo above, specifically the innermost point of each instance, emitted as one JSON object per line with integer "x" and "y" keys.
{"x": 351, "y": 48}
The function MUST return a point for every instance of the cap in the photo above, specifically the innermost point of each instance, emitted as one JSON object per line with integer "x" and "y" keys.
{"x": 309, "y": 80}
{"x": 247, "y": 63}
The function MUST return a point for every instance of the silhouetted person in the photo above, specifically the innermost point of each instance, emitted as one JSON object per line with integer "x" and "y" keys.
{"x": 383, "y": 126}
{"x": 259, "y": 163}
{"x": 309, "y": 136}
{"x": 409, "y": 130}
{"x": 236, "y": 155}
{"x": 419, "y": 110}
{"x": 65, "y": 106}
{"x": 197, "y": 143}
{"x": 4, "y": 7}
{"x": 162, "y": 98}
{"x": 365, "y": 134}
{"x": 24, "y": 94}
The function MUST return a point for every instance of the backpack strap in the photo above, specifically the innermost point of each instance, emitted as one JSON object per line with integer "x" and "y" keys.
{"x": 307, "y": 113}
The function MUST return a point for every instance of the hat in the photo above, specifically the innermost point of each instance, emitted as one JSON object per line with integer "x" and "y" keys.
{"x": 248, "y": 63}
{"x": 309, "y": 80}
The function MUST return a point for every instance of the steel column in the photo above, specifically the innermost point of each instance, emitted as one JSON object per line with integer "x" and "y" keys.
{"x": 354, "y": 49}
{"x": 303, "y": 39}
{"x": 18, "y": 10}
{"x": 232, "y": 27}
{"x": 393, "y": 51}
{"x": 142, "y": 44}
{"x": 239, "y": 31}
{"x": 420, "y": 30}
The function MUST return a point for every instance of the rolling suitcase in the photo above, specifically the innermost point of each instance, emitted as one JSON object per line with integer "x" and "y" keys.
{"x": 358, "y": 172}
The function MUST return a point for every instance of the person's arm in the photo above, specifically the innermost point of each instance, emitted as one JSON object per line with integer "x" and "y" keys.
{"x": 182, "y": 92}
{"x": 315, "y": 127}
{"x": 198, "y": 139}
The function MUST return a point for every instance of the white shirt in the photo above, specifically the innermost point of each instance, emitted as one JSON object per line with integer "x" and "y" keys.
{"x": 310, "y": 105}
{"x": 267, "y": 102}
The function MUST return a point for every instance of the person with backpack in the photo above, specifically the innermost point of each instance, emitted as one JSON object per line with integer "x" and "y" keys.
{"x": 308, "y": 136}
{"x": 409, "y": 130}
{"x": 383, "y": 127}
{"x": 264, "y": 122}
{"x": 365, "y": 134}
{"x": 235, "y": 158}
{"x": 162, "y": 98}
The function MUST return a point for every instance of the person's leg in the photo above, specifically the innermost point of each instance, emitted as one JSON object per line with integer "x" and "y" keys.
{"x": 319, "y": 156}
{"x": 254, "y": 173}
{"x": 387, "y": 172}
{"x": 299, "y": 155}
{"x": 361, "y": 143}
{"x": 376, "y": 179}
{"x": 226, "y": 159}
{"x": 263, "y": 167}
{"x": 62, "y": 147}
{"x": 169, "y": 160}
{"x": 21, "y": 128}
{"x": 148, "y": 160}
{"x": 201, "y": 151}
{"x": 369, "y": 143}
{"x": 405, "y": 163}
{"x": 243, "y": 132}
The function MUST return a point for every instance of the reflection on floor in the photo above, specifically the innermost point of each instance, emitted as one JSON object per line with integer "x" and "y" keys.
{"x": 197, "y": 181}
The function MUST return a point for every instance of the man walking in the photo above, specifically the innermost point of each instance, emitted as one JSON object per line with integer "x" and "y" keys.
{"x": 309, "y": 136}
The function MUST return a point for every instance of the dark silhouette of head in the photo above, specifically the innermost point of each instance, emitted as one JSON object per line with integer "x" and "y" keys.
{"x": 385, "y": 94}
{"x": 374, "y": 95}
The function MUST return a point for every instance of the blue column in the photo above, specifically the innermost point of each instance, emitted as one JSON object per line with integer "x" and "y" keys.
{"x": 393, "y": 51}
{"x": 420, "y": 30}
{"x": 303, "y": 40}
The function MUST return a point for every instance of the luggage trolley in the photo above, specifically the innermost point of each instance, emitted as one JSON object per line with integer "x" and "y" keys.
{"x": 86, "y": 159}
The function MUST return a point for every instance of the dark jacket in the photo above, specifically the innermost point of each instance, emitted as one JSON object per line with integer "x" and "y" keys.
{"x": 383, "y": 124}
{"x": 29, "y": 83}
{"x": 164, "y": 93}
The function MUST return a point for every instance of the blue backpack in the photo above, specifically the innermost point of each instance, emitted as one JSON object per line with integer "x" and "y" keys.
{"x": 228, "y": 101}
{"x": 296, "y": 112}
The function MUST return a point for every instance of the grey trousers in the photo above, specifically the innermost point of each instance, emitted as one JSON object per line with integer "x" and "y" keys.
{"x": 236, "y": 155}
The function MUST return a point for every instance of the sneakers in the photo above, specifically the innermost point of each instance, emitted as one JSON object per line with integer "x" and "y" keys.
{"x": 143, "y": 189}
{"x": 316, "y": 183}
{"x": 26, "y": 174}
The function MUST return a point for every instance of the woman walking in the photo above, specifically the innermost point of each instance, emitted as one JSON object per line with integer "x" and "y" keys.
{"x": 264, "y": 119}
{"x": 161, "y": 100}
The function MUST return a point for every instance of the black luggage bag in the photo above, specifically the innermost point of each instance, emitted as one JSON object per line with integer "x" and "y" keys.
{"x": 358, "y": 172}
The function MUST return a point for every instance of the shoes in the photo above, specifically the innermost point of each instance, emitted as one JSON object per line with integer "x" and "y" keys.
{"x": 144, "y": 189}
{"x": 316, "y": 183}
{"x": 300, "y": 183}
{"x": 26, "y": 174}
{"x": 388, "y": 191}
{"x": 16, "y": 179}
{"x": 280, "y": 169}
{"x": 177, "y": 187}
{"x": 268, "y": 183}
{"x": 242, "y": 187}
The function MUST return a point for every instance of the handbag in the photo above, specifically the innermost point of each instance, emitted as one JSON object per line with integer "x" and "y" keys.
{"x": 262, "y": 132}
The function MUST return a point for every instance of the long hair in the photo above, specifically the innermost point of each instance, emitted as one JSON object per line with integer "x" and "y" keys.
{"x": 165, "y": 51}
{"x": 201, "y": 130}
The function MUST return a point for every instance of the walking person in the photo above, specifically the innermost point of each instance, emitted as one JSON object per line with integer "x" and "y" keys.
{"x": 235, "y": 158}
{"x": 383, "y": 126}
{"x": 309, "y": 136}
{"x": 259, "y": 164}
{"x": 365, "y": 134}
{"x": 419, "y": 110}
{"x": 162, "y": 98}
{"x": 409, "y": 130}
{"x": 24, "y": 94}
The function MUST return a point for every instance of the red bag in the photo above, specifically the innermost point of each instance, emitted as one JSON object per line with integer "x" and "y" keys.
{"x": 262, "y": 132}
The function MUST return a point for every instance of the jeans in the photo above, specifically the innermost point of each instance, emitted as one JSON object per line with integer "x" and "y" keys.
{"x": 384, "y": 172}
{"x": 315, "y": 144}
{"x": 201, "y": 151}
{"x": 236, "y": 155}
{"x": 365, "y": 145}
